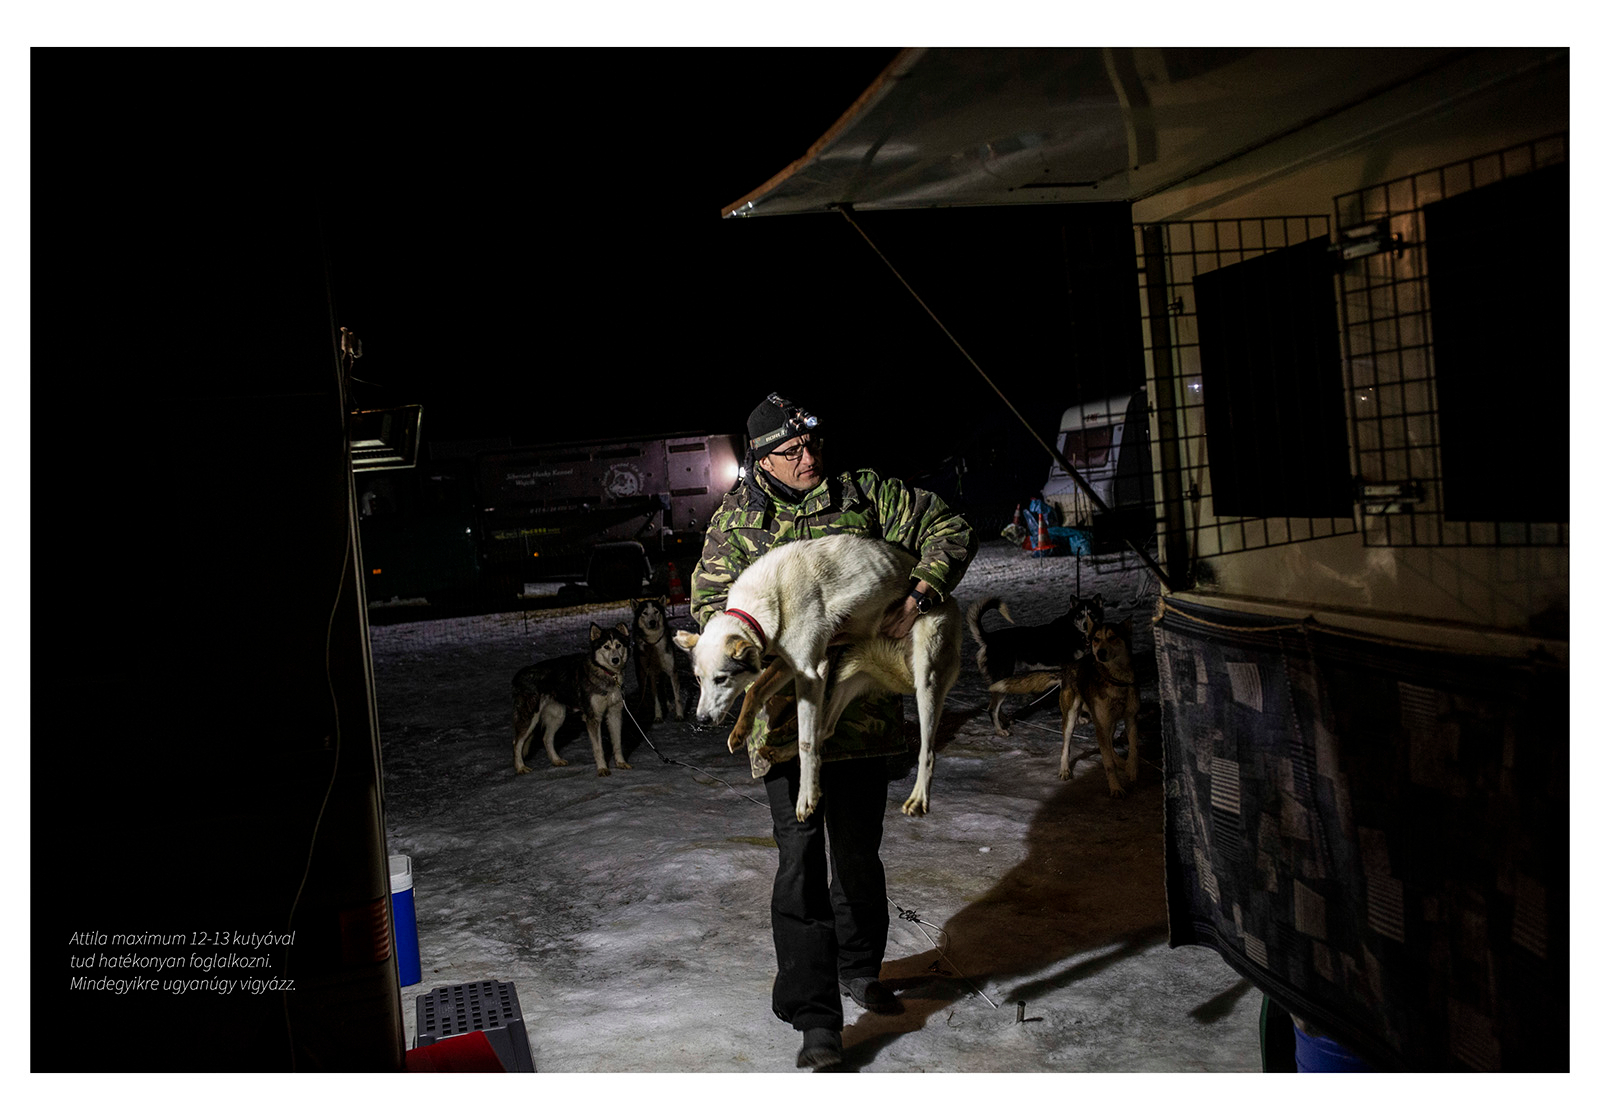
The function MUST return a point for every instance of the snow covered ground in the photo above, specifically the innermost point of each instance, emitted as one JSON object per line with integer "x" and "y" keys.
{"x": 631, "y": 912}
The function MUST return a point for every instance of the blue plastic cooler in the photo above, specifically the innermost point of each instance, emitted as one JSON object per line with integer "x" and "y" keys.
{"x": 407, "y": 954}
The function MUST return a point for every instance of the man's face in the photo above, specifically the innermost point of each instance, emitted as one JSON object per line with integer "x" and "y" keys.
{"x": 797, "y": 464}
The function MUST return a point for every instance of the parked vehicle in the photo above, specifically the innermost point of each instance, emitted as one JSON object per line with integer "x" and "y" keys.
{"x": 493, "y": 522}
{"x": 1107, "y": 441}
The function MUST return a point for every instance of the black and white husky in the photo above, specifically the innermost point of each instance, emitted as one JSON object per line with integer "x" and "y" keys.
{"x": 587, "y": 684}
{"x": 654, "y": 661}
{"x": 1053, "y": 645}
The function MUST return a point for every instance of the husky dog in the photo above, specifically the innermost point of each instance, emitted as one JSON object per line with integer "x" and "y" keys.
{"x": 588, "y": 684}
{"x": 1102, "y": 682}
{"x": 791, "y": 604}
{"x": 1056, "y": 643}
{"x": 653, "y": 659}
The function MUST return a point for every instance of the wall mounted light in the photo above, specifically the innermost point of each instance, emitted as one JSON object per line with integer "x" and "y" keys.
{"x": 1366, "y": 240}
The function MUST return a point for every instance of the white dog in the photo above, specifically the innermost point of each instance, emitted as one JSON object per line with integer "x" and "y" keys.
{"x": 791, "y": 605}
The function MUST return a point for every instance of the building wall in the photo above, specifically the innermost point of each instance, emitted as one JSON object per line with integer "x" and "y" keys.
{"x": 1490, "y": 101}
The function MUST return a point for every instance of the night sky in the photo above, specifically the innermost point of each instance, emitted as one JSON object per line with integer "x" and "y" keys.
{"x": 529, "y": 245}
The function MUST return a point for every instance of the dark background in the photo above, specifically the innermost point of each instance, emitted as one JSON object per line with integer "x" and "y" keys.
{"x": 532, "y": 248}
{"x": 529, "y": 244}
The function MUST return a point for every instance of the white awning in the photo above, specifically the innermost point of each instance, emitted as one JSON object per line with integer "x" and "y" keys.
{"x": 985, "y": 127}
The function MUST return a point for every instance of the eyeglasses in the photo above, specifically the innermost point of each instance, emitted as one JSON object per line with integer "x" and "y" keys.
{"x": 792, "y": 455}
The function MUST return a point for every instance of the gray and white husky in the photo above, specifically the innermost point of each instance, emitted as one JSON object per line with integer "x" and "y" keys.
{"x": 586, "y": 684}
{"x": 791, "y": 605}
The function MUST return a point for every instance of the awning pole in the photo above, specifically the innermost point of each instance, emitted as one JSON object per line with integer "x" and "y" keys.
{"x": 1061, "y": 461}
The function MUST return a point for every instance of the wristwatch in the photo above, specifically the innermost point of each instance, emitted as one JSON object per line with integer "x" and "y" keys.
{"x": 926, "y": 601}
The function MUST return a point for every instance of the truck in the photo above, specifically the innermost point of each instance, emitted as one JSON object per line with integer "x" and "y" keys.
{"x": 494, "y": 522}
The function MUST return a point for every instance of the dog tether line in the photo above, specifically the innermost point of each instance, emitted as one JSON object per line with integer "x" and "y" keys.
{"x": 675, "y": 762}
{"x": 911, "y": 916}
{"x": 1060, "y": 459}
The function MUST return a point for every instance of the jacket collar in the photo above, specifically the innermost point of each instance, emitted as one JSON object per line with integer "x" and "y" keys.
{"x": 838, "y": 489}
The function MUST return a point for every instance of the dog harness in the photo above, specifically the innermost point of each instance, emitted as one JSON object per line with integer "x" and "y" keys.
{"x": 761, "y": 635}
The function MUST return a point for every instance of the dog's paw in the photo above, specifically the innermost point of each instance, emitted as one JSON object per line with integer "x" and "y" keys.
{"x": 603, "y": 772}
{"x": 915, "y": 806}
{"x": 1118, "y": 793}
{"x": 806, "y": 804}
{"x": 1003, "y": 732}
{"x": 620, "y": 765}
{"x": 560, "y": 762}
{"x": 1065, "y": 774}
{"x": 521, "y": 769}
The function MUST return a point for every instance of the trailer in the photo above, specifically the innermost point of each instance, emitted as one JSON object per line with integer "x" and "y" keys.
{"x": 1110, "y": 490}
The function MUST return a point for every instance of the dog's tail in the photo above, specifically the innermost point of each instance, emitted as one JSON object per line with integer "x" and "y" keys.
{"x": 1028, "y": 683}
{"x": 975, "y": 616}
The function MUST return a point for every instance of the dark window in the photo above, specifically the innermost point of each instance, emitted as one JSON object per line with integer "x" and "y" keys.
{"x": 1090, "y": 447}
{"x": 1274, "y": 404}
{"x": 1498, "y": 260}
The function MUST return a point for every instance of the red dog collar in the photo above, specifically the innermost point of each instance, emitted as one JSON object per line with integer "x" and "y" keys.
{"x": 761, "y": 635}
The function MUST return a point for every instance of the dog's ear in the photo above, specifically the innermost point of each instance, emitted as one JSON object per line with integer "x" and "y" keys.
{"x": 685, "y": 640}
{"x": 623, "y": 627}
{"x": 594, "y": 631}
{"x": 744, "y": 652}
{"x": 1075, "y": 602}
{"x": 1099, "y": 601}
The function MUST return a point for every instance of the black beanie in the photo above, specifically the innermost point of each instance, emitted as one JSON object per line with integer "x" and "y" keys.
{"x": 774, "y": 421}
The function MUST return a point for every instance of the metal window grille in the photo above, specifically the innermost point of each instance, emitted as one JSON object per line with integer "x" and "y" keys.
{"x": 1170, "y": 256}
{"x": 1389, "y": 333}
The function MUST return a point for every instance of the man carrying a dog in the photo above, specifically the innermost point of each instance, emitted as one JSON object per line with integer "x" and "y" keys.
{"x": 830, "y": 934}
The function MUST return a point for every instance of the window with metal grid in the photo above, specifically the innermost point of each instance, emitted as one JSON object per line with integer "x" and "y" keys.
{"x": 1255, "y": 442}
{"x": 1456, "y": 336}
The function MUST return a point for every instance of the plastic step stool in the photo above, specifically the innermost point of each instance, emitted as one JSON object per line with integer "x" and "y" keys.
{"x": 489, "y": 1006}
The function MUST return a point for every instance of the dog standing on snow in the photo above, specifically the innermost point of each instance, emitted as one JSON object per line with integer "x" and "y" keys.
{"x": 653, "y": 660}
{"x": 587, "y": 684}
{"x": 791, "y": 605}
{"x": 1101, "y": 681}
{"x": 1058, "y": 642}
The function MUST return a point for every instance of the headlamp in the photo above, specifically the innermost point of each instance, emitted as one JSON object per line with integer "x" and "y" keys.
{"x": 797, "y": 421}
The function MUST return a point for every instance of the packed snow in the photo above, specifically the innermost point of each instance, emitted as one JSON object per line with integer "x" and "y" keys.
{"x": 631, "y": 912}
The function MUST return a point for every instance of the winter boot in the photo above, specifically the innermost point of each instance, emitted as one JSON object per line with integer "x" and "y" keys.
{"x": 820, "y": 1048}
{"x": 872, "y": 995}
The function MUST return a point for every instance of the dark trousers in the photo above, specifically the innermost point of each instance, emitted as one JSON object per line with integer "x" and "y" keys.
{"x": 827, "y": 928}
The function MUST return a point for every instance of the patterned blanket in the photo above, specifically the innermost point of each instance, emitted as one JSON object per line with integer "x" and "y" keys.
{"x": 1375, "y": 835}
